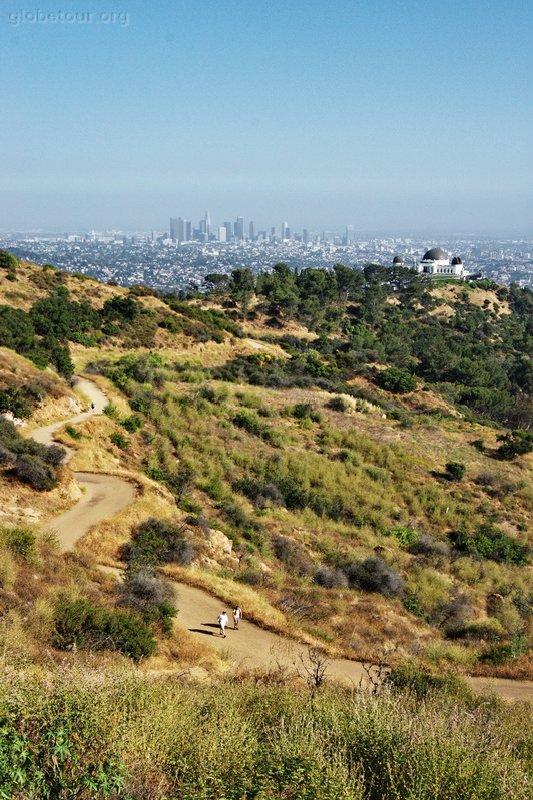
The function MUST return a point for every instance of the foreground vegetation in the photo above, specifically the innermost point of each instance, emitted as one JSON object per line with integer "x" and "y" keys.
{"x": 80, "y": 734}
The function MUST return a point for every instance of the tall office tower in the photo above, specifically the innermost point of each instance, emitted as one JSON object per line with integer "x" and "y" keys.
{"x": 239, "y": 228}
{"x": 273, "y": 234}
{"x": 222, "y": 233}
{"x": 305, "y": 236}
{"x": 174, "y": 233}
{"x": 181, "y": 230}
{"x": 350, "y": 234}
{"x": 229, "y": 231}
{"x": 188, "y": 230}
{"x": 284, "y": 227}
{"x": 251, "y": 234}
{"x": 207, "y": 223}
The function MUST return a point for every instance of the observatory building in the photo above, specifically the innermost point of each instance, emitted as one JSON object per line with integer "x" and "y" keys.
{"x": 436, "y": 262}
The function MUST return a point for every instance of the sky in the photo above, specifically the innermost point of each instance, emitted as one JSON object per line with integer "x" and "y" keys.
{"x": 399, "y": 117}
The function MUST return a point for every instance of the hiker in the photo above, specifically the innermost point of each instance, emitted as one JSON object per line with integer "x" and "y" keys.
{"x": 92, "y": 406}
{"x": 237, "y": 616}
{"x": 222, "y": 620}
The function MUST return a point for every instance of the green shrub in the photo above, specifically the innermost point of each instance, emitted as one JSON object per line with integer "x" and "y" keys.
{"x": 79, "y": 623}
{"x": 338, "y": 403}
{"x": 397, "y": 380}
{"x": 150, "y": 596}
{"x": 19, "y": 540}
{"x": 455, "y": 470}
{"x": 404, "y": 535}
{"x": 32, "y": 470}
{"x": 305, "y": 411}
{"x": 132, "y": 423}
{"x": 8, "y": 261}
{"x": 72, "y": 432}
{"x": 156, "y": 542}
{"x": 111, "y": 411}
{"x": 516, "y": 443}
{"x": 503, "y": 652}
{"x": 480, "y": 630}
{"x": 492, "y": 543}
{"x": 418, "y": 679}
{"x": 30, "y": 462}
{"x": 119, "y": 440}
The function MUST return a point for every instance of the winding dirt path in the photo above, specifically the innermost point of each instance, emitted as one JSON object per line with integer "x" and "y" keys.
{"x": 250, "y": 647}
{"x": 104, "y": 495}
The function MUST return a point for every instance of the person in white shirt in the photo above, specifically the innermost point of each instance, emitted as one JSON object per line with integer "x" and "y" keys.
{"x": 222, "y": 620}
{"x": 237, "y": 616}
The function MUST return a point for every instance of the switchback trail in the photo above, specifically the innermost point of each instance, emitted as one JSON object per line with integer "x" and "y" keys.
{"x": 104, "y": 495}
{"x": 251, "y": 647}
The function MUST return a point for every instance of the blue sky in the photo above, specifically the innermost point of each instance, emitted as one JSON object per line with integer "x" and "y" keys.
{"x": 397, "y": 117}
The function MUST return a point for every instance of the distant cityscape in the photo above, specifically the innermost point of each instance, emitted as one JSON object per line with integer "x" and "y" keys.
{"x": 180, "y": 257}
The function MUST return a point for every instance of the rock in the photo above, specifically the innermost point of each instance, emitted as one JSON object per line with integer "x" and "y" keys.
{"x": 218, "y": 543}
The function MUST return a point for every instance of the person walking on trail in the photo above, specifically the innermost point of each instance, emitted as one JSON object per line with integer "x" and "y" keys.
{"x": 237, "y": 616}
{"x": 92, "y": 406}
{"x": 222, "y": 620}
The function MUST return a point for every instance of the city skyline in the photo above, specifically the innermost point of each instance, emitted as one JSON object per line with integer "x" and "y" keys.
{"x": 404, "y": 118}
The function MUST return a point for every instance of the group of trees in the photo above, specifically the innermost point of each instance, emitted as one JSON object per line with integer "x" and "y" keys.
{"x": 480, "y": 359}
{"x": 43, "y": 333}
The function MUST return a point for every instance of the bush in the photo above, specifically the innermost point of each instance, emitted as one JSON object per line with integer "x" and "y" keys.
{"x": 305, "y": 411}
{"x": 79, "y": 623}
{"x": 31, "y": 462}
{"x": 72, "y": 432}
{"x": 404, "y": 535}
{"x": 19, "y": 540}
{"x": 330, "y": 578}
{"x": 417, "y": 679}
{"x": 156, "y": 542}
{"x": 32, "y": 470}
{"x": 455, "y": 470}
{"x": 149, "y": 596}
{"x": 132, "y": 423}
{"x": 492, "y": 543}
{"x": 292, "y": 554}
{"x": 516, "y": 443}
{"x": 426, "y": 545}
{"x": 502, "y": 653}
{"x": 397, "y": 380}
{"x": 119, "y": 440}
{"x": 339, "y": 403}
{"x": 8, "y": 261}
{"x": 484, "y": 630}
{"x": 111, "y": 411}
{"x": 375, "y": 575}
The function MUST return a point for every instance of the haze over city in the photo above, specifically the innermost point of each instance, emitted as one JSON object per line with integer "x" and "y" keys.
{"x": 403, "y": 119}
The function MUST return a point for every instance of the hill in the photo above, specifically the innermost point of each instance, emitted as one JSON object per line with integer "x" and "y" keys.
{"x": 347, "y": 454}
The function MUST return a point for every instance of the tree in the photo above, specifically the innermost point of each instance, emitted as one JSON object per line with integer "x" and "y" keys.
{"x": 8, "y": 262}
{"x": 242, "y": 287}
{"x": 216, "y": 281}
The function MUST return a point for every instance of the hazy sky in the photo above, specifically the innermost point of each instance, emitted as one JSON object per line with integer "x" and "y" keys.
{"x": 391, "y": 115}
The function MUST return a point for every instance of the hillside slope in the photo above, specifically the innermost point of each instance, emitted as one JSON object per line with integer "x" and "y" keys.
{"x": 374, "y": 517}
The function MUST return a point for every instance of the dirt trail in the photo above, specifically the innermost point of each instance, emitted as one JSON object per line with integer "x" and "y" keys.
{"x": 251, "y": 646}
{"x": 104, "y": 495}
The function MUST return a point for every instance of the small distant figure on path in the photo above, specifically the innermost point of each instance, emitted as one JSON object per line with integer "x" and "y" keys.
{"x": 222, "y": 620}
{"x": 237, "y": 616}
{"x": 92, "y": 406}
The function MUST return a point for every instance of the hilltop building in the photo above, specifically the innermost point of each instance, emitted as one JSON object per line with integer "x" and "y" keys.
{"x": 436, "y": 263}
